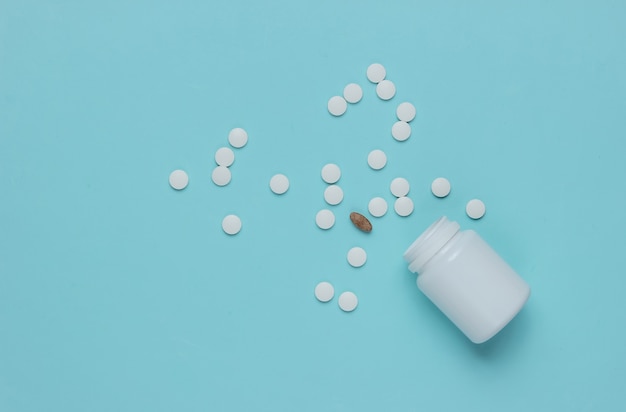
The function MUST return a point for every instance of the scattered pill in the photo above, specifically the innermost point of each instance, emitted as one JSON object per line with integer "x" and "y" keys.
{"x": 405, "y": 112}
{"x": 179, "y": 179}
{"x": 231, "y": 224}
{"x": 353, "y": 93}
{"x": 324, "y": 291}
{"x": 325, "y": 219}
{"x": 348, "y": 301}
{"x": 400, "y": 187}
{"x": 279, "y": 184}
{"x": 403, "y": 206}
{"x": 361, "y": 222}
{"x": 377, "y": 207}
{"x": 440, "y": 187}
{"x": 221, "y": 176}
{"x": 401, "y": 131}
{"x": 238, "y": 137}
{"x": 377, "y": 159}
{"x": 376, "y": 73}
{"x": 337, "y": 105}
{"x": 386, "y": 89}
{"x": 224, "y": 156}
{"x": 333, "y": 195}
{"x": 357, "y": 257}
{"x": 475, "y": 208}
{"x": 331, "y": 173}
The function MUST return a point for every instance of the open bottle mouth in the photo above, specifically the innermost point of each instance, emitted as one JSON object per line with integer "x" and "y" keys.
{"x": 429, "y": 243}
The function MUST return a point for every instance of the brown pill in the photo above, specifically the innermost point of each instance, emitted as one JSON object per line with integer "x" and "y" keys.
{"x": 361, "y": 222}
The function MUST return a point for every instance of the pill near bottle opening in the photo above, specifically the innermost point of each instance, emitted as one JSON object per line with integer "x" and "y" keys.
{"x": 224, "y": 156}
{"x": 333, "y": 195}
{"x": 331, "y": 173}
{"x": 238, "y": 137}
{"x": 377, "y": 207}
{"x": 337, "y": 105}
{"x": 179, "y": 179}
{"x": 399, "y": 187}
{"x": 440, "y": 187}
{"x": 221, "y": 176}
{"x": 386, "y": 90}
{"x": 376, "y": 73}
{"x": 475, "y": 209}
{"x": 401, "y": 131}
{"x": 377, "y": 159}
{"x": 403, "y": 206}
{"x": 325, "y": 219}
{"x": 405, "y": 112}
{"x": 353, "y": 93}
{"x": 360, "y": 222}
{"x": 231, "y": 224}
{"x": 348, "y": 301}
{"x": 324, "y": 292}
{"x": 357, "y": 257}
{"x": 279, "y": 184}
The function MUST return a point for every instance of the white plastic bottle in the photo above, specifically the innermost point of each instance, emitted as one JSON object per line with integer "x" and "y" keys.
{"x": 466, "y": 279}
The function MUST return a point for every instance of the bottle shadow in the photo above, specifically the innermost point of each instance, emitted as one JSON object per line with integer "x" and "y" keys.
{"x": 507, "y": 342}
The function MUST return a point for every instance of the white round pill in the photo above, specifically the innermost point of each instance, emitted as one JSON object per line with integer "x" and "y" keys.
{"x": 238, "y": 137}
{"x": 221, "y": 176}
{"x": 440, "y": 187}
{"x": 348, "y": 301}
{"x": 231, "y": 224}
{"x": 337, "y": 105}
{"x": 357, "y": 257}
{"x": 377, "y": 159}
{"x": 325, "y": 219}
{"x": 376, "y": 73}
{"x": 475, "y": 208}
{"x": 224, "y": 156}
{"x": 401, "y": 131}
{"x": 333, "y": 195}
{"x": 353, "y": 93}
{"x": 403, "y": 206}
{"x": 400, "y": 187}
{"x": 405, "y": 112}
{"x": 179, "y": 179}
{"x": 331, "y": 173}
{"x": 377, "y": 207}
{"x": 324, "y": 291}
{"x": 386, "y": 89}
{"x": 279, "y": 184}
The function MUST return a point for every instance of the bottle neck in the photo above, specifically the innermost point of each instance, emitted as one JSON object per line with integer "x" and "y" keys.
{"x": 429, "y": 243}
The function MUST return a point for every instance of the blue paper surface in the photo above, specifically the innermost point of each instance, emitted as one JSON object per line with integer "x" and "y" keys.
{"x": 118, "y": 293}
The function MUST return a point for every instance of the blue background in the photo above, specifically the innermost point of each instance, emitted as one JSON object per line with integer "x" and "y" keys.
{"x": 118, "y": 293}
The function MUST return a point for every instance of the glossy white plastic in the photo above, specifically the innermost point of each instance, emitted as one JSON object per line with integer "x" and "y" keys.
{"x": 467, "y": 280}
